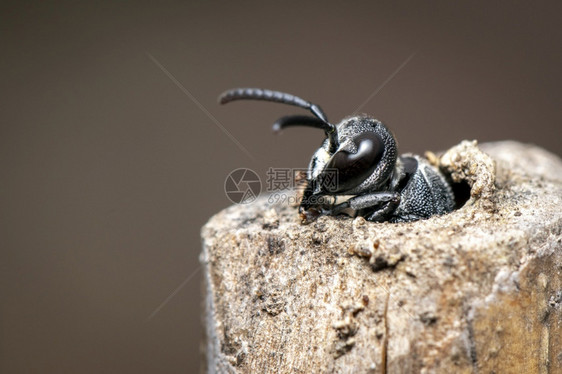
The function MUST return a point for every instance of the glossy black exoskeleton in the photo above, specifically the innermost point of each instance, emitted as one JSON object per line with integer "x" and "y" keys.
{"x": 361, "y": 155}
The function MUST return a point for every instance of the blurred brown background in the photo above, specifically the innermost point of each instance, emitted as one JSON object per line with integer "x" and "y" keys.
{"x": 108, "y": 169}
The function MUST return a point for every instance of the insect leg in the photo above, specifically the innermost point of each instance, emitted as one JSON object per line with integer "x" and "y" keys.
{"x": 383, "y": 203}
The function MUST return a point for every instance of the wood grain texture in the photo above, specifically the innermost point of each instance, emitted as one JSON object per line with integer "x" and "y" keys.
{"x": 478, "y": 290}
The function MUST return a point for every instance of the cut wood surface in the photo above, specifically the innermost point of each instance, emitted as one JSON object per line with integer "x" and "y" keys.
{"x": 478, "y": 290}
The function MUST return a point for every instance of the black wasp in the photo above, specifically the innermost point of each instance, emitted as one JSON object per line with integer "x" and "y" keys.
{"x": 372, "y": 179}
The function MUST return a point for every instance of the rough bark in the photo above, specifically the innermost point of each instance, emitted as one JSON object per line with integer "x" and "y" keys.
{"x": 478, "y": 290}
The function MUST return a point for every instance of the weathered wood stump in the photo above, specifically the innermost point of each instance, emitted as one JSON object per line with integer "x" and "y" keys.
{"x": 478, "y": 290}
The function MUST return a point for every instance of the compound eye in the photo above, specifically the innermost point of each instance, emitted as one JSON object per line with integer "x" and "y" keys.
{"x": 354, "y": 168}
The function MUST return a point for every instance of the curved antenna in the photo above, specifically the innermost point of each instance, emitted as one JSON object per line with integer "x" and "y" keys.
{"x": 299, "y": 120}
{"x": 274, "y": 96}
{"x": 285, "y": 98}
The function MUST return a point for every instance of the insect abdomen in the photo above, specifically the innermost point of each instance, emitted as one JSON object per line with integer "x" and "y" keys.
{"x": 427, "y": 193}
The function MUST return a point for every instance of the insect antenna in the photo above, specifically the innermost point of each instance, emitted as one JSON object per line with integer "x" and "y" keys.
{"x": 299, "y": 120}
{"x": 280, "y": 97}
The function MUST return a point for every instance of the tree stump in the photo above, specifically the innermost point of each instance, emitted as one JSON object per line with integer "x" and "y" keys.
{"x": 478, "y": 290}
